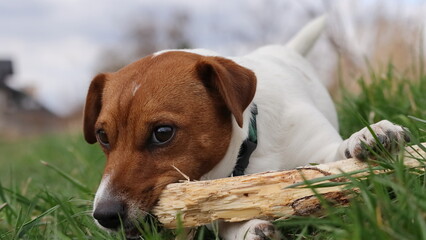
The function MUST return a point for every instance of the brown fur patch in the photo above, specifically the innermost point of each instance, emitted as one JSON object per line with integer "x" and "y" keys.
{"x": 165, "y": 90}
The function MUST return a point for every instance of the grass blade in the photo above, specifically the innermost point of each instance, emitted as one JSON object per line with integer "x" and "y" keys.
{"x": 28, "y": 225}
{"x": 72, "y": 180}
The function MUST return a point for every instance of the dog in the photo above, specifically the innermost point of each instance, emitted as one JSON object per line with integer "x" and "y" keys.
{"x": 213, "y": 117}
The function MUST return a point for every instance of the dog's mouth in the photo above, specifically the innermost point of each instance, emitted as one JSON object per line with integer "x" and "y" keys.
{"x": 135, "y": 229}
{"x": 132, "y": 233}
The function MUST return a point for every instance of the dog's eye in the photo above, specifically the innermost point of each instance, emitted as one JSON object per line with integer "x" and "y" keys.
{"x": 102, "y": 137}
{"x": 162, "y": 134}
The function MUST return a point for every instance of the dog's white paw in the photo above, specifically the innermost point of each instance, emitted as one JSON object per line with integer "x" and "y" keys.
{"x": 258, "y": 230}
{"x": 390, "y": 136}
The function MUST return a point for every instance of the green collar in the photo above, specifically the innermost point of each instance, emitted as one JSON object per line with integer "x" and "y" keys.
{"x": 248, "y": 146}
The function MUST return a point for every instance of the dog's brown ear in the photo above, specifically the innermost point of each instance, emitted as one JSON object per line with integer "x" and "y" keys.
{"x": 235, "y": 84}
{"x": 93, "y": 107}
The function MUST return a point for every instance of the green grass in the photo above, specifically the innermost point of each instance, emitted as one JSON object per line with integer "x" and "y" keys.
{"x": 40, "y": 203}
{"x": 53, "y": 200}
{"x": 390, "y": 96}
{"x": 21, "y": 162}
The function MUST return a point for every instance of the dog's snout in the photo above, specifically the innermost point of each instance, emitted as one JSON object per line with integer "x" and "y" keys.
{"x": 110, "y": 214}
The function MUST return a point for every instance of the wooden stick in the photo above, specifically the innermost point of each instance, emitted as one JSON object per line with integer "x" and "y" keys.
{"x": 261, "y": 195}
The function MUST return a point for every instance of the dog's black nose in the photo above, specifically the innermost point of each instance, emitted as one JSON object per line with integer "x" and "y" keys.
{"x": 110, "y": 213}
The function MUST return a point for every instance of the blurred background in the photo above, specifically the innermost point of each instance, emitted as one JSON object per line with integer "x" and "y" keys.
{"x": 50, "y": 50}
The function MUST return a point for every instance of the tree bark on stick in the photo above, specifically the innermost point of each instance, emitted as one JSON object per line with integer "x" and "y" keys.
{"x": 261, "y": 195}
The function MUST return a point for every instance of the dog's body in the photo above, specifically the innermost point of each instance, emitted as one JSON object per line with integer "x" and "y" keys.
{"x": 201, "y": 106}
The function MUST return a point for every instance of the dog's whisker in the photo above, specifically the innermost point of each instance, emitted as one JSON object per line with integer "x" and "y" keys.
{"x": 183, "y": 174}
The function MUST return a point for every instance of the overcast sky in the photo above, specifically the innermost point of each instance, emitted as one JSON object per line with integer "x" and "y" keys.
{"x": 55, "y": 45}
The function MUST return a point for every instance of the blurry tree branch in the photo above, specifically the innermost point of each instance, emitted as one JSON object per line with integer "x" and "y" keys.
{"x": 146, "y": 37}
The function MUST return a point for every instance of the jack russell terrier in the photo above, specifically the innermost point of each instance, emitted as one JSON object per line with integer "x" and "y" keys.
{"x": 212, "y": 117}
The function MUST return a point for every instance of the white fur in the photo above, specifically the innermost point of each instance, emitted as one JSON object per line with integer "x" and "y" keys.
{"x": 136, "y": 88}
{"x": 247, "y": 230}
{"x": 102, "y": 194}
{"x": 380, "y": 129}
{"x": 200, "y": 51}
{"x": 306, "y": 38}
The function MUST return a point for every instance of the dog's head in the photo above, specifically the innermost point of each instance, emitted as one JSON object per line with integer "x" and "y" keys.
{"x": 160, "y": 113}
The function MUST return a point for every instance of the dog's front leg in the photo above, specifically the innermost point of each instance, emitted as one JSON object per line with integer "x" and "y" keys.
{"x": 254, "y": 229}
{"x": 358, "y": 144}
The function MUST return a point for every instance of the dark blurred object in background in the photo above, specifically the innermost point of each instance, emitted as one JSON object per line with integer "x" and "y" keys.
{"x": 12, "y": 99}
{"x": 5, "y": 70}
{"x": 20, "y": 113}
